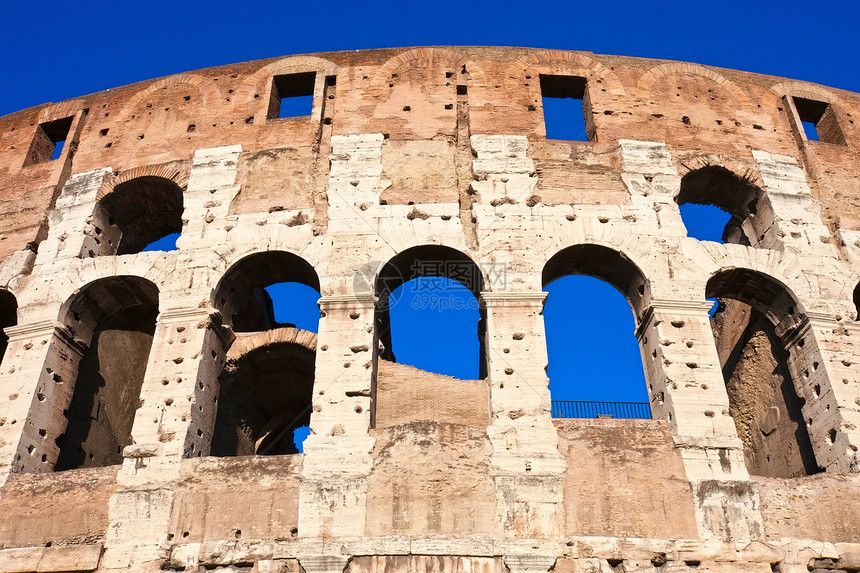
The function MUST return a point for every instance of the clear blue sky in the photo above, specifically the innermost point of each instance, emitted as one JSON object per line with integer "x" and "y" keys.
{"x": 53, "y": 51}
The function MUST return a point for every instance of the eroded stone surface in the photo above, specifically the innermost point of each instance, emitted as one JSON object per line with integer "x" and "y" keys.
{"x": 406, "y": 470}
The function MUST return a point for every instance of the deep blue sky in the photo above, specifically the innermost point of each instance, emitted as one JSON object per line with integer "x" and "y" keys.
{"x": 53, "y": 51}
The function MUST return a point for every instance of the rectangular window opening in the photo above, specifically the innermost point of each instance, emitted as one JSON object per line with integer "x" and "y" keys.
{"x": 818, "y": 120}
{"x": 565, "y": 108}
{"x": 292, "y": 95}
{"x": 49, "y": 140}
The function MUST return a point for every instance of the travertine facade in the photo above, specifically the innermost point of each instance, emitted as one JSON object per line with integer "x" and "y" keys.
{"x": 116, "y": 358}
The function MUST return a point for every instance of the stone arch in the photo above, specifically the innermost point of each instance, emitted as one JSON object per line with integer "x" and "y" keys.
{"x": 290, "y": 65}
{"x": 562, "y": 62}
{"x": 739, "y": 193}
{"x": 771, "y": 365}
{"x": 425, "y": 261}
{"x": 646, "y": 82}
{"x": 426, "y": 56}
{"x": 799, "y": 89}
{"x": 240, "y": 296}
{"x": 614, "y": 268}
{"x": 207, "y": 87}
{"x": 180, "y": 178}
{"x": 88, "y": 393}
{"x": 265, "y": 393}
{"x": 136, "y": 208}
{"x": 605, "y": 263}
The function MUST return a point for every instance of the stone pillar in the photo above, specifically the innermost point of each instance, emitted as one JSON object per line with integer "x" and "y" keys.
{"x": 69, "y": 227}
{"x": 796, "y": 212}
{"x": 31, "y": 362}
{"x": 211, "y": 188}
{"x": 685, "y": 380}
{"x": 174, "y": 421}
{"x": 824, "y": 361}
{"x": 526, "y": 464}
{"x": 333, "y": 495}
{"x": 686, "y": 387}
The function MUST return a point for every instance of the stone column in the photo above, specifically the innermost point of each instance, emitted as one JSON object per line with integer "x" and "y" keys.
{"x": 211, "y": 188}
{"x": 337, "y": 461}
{"x": 526, "y": 464}
{"x": 70, "y": 229}
{"x": 824, "y": 361}
{"x": 686, "y": 387}
{"x": 796, "y": 212}
{"x": 174, "y": 421}
{"x": 32, "y": 377}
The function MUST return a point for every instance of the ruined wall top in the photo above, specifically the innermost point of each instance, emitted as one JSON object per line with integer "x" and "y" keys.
{"x": 411, "y": 94}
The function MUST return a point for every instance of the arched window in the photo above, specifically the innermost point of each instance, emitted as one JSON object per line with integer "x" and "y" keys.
{"x": 269, "y": 290}
{"x": 8, "y": 317}
{"x": 595, "y": 366}
{"x": 265, "y": 388}
{"x": 144, "y": 213}
{"x": 718, "y": 205}
{"x": 428, "y": 314}
{"x": 111, "y": 323}
{"x": 755, "y": 315}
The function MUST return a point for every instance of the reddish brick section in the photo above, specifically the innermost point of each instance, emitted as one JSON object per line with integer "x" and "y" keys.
{"x": 696, "y": 109}
{"x": 408, "y": 394}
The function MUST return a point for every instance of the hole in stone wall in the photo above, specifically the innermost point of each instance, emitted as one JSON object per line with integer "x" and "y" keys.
{"x": 818, "y": 121}
{"x": 269, "y": 290}
{"x": 270, "y": 300}
{"x": 265, "y": 403}
{"x": 292, "y": 95}
{"x": 49, "y": 141}
{"x": 8, "y": 317}
{"x": 565, "y": 108}
{"x": 433, "y": 326}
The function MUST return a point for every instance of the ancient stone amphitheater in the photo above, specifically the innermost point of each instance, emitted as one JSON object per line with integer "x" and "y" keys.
{"x": 142, "y": 393}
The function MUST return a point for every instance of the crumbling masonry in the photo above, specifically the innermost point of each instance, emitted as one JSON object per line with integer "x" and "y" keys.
{"x": 144, "y": 396}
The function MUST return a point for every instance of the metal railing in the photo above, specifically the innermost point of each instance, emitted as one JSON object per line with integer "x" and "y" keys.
{"x": 576, "y": 409}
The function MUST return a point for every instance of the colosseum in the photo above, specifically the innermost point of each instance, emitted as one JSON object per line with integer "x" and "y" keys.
{"x": 117, "y": 454}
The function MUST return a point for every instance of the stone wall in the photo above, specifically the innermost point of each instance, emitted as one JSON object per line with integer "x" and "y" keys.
{"x": 428, "y": 154}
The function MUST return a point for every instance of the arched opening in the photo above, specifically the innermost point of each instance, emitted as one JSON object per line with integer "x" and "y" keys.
{"x": 428, "y": 314}
{"x": 755, "y": 317}
{"x": 595, "y": 365}
{"x": 260, "y": 291}
{"x": 265, "y": 394}
{"x": 8, "y": 317}
{"x": 719, "y": 205}
{"x": 144, "y": 213}
{"x": 111, "y": 323}
{"x": 264, "y": 399}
